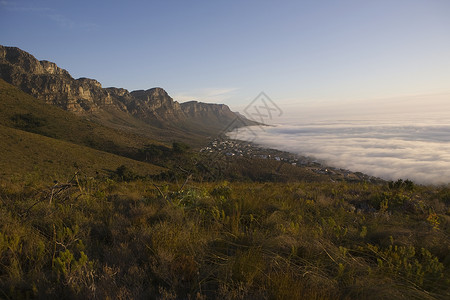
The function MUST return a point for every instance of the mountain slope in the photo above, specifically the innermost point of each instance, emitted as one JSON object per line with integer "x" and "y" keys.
{"x": 22, "y": 111}
{"x": 26, "y": 154}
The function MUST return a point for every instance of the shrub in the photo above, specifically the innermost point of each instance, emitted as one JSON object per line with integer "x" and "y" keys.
{"x": 28, "y": 121}
{"x": 123, "y": 173}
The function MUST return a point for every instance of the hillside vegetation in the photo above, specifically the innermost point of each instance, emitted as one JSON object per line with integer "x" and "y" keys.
{"x": 109, "y": 239}
{"x": 27, "y": 155}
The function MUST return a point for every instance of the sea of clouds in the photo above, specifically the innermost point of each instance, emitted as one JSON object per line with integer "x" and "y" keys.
{"x": 390, "y": 149}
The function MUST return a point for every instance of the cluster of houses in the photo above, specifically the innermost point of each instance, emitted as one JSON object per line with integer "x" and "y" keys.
{"x": 246, "y": 149}
{"x": 235, "y": 148}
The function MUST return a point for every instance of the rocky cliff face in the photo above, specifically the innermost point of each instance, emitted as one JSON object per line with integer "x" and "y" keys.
{"x": 26, "y": 63}
{"x": 46, "y": 81}
{"x": 195, "y": 109}
{"x": 156, "y": 103}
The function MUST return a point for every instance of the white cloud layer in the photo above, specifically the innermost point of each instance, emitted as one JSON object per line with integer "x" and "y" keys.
{"x": 419, "y": 151}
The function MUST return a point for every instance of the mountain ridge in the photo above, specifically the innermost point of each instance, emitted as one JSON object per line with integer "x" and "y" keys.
{"x": 84, "y": 96}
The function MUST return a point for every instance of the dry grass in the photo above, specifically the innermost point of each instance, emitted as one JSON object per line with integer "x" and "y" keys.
{"x": 27, "y": 157}
{"x": 222, "y": 241}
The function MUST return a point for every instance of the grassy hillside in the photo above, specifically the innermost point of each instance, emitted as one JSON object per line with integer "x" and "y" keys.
{"x": 166, "y": 134}
{"x": 24, "y": 154}
{"x": 128, "y": 240}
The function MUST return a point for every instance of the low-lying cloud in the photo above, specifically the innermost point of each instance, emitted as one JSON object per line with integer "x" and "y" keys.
{"x": 420, "y": 152}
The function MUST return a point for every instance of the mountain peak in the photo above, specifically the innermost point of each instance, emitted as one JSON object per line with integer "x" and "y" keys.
{"x": 150, "y": 93}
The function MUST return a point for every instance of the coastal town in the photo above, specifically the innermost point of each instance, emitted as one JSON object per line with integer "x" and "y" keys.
{"x": 236, "y": 148}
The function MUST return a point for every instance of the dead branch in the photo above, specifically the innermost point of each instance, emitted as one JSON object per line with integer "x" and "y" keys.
{"x": 187, "y": 179}
{"x": 159, "y": 190}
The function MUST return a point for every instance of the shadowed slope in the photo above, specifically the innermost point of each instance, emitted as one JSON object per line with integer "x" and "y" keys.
{"x": 24, "y": 153}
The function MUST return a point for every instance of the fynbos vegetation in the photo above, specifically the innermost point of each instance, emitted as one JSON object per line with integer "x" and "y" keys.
{"x": 122, "y": 239}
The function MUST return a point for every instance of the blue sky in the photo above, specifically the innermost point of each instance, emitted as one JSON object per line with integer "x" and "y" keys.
{"x": 300, "y": 53}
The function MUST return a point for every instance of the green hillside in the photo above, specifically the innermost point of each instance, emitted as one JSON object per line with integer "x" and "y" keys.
{"x": 25, "y": 154}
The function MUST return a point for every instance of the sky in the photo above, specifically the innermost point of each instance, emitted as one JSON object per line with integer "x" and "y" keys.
{"x": 302, "y": 54}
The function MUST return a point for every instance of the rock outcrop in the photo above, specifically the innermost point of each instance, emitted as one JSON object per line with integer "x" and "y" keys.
{"x": 46, "y": 81}
{"x": 156, "y": 103}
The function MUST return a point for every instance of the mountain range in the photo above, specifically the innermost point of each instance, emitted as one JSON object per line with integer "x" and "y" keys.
{"x": 150, "y": 112}
{"x": 52, "y": 124}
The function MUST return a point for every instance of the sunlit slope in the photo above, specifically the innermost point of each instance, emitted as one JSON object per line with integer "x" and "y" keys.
{"x": 22, "y": 111}
{"x": 24, "y": 153}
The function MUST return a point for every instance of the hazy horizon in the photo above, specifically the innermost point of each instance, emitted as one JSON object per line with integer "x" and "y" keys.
{"x": 410, "y": 146}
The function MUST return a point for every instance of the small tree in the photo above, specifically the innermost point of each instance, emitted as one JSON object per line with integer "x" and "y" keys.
{"x": 179, "y": 148}
{"x": 125, "y": 174}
